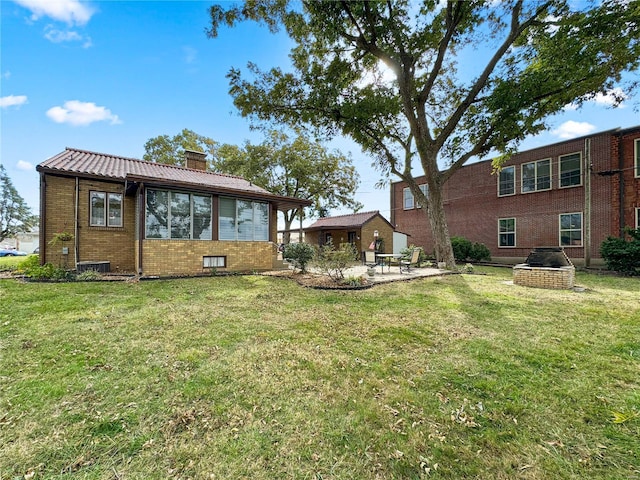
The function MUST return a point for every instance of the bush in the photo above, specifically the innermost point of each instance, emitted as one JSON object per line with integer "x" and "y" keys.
{"x": 479, "y": 252}
{"x": 461, "y": 248}
{"x": 622, "y": 255}
{"x": 334, "y": 262}
{"x": 300, "y": 254}
{"x": 31, "y": 268}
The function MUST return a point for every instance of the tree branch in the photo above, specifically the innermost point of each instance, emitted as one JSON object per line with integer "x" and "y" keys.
{"x": 516, "y": 30}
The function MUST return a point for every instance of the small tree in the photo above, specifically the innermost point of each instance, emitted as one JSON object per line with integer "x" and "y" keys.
{"x": 333, "y": 262}
{"x": 622, "y": 255}
{"x": 300, "y": 254}
{"x": 15, "y": 215}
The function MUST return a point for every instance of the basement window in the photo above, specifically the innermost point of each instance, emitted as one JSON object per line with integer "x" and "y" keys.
{"x": 214, "y": 262}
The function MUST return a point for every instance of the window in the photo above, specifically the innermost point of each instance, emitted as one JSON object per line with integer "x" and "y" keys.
{"x": 507, "y": 181}
{"x": 105, "y": 209}
{"x": 425, "y": 191}
{"x": 507, "y": 232}
{"x": 407, "y": 199}
{"x": 536, "y": 176}
{"x": 243, "y": 220}
{"x": 637, "y": 156}
{"x": 571, "y": 230}
{"x": 214, "y": 262}
{"x": 178, "y": 215}
{"x": 570, "y": 170}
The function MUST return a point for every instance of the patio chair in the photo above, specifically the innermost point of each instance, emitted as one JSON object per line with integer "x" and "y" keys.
{"x": 405, "y": 265}
{"x": 370, "y": 259}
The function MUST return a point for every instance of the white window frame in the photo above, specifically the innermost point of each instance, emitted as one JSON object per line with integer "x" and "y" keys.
{"x": 425, "y": 191}
{"x": 406, "y": 198}
{"x": 255, "y": 207}
{"x": 513, "y": 167}
{"x": 169, "y": 217}
{"x": 214, "y": 261}
{"x": 535, "y": 176}
{"x": 560, "y": 229}
{"x": 560, "y": 157}
{"x": 106, "y": 220}
{"x": 515, "y": 239}
{"x": 636, "y": 156}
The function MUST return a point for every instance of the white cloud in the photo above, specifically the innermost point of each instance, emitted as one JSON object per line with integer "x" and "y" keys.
{"x": 78, "y": 113}
{"x": 23, "y": 165}
{"x": 6, "y": 74}
{"x": 613, "y": 98}
{"x": 68, "y": 11}
{"x": 13, "y": 101}
{"x": 573, "y": 129}
{"x": 58, "y": 36}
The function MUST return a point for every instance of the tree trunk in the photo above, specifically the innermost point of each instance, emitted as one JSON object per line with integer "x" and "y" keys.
{"x": 439, "y": 228}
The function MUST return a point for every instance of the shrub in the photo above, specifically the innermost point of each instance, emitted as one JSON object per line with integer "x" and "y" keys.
{"x": 300, "y": 254}
{"x": 479, "y": 252}
{"x": 89, "y": 275}
{"x": 333, "y": 262}
{"x": 622, "y": 255}
{"x": 461, "y": 248}
{"x": 31, "y": 268}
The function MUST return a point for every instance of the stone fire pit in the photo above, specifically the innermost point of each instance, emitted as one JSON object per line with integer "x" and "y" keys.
{"x": 545, "y": 267}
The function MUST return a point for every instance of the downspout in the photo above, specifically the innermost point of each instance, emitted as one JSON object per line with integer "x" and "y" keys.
{"x": 621, "y": 181}
{"x": 140, "y": 207}
{"x": 75, "y": 227}
{"x": 43, "y": 220}
{"x": 587, "y": 203}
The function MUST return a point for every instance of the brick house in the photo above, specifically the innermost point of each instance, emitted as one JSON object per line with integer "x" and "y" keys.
{"x": 133, "y": 216}
{"x": 359, "y": 229}
{"x": 572, "y": 194}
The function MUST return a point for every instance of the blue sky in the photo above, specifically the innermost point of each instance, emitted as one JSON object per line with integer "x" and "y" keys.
{"x": 107, "y": 76}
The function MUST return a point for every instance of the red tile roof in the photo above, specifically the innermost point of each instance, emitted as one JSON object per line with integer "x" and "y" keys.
{"x": 343, "y": 221}
{"x": 85, "y": 163}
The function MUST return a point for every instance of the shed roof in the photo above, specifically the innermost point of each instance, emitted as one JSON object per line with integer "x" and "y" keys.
{"x": 84, "y": 163}
{"x": 354, "y": 220}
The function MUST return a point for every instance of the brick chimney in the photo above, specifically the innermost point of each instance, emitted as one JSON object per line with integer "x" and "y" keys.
{"x": 195, "y": 160}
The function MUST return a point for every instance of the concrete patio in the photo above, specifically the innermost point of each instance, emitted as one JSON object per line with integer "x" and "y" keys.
{"x": 393, "y": 274}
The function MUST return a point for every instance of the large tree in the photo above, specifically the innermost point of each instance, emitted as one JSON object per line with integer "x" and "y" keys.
{"x": 170, "y": 150}
{"x": 297, "y": 167}
{"x": 15, "y": 215}
{"x": 470, "y": 77}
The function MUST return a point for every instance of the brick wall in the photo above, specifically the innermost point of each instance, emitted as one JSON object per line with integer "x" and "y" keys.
{"x": 119, "y": 245}
{"x": 385, "y": 232}
{"x": 184, "y": 257}
{"x": 623, "y": 147}
{"x": 93, "y": 243}
{"x": 473, "y": 207}
{"x": 543, "y": 277}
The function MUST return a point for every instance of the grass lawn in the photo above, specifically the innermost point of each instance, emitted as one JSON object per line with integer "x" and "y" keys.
{"x": 462, "y": 376}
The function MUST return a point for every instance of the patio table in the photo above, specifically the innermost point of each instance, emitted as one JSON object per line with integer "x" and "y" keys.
{"x": 386, "y": 258}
